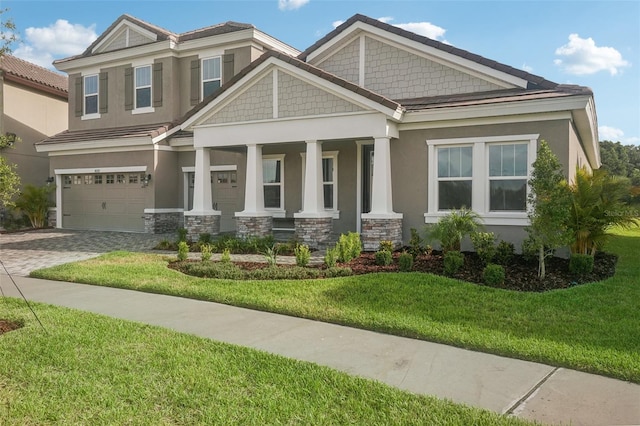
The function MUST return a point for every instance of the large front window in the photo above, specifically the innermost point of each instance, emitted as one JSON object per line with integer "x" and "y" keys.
{"x": 508, "y": 171}
{"x": 455, "y": 167}
{"x": 211, "y": 75}
{"x": 143, "y": 87}
{"x": 90, "y": 94}
{"x": 272, "y": 171}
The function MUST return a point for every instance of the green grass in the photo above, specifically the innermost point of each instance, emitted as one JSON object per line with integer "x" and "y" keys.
{"x": 593, "y": 327}
{"x": 92, "y": 370}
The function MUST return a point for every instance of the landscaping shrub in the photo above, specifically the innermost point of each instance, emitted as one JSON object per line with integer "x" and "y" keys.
{"x": 183, "y": 250}
{"x": 504, "y": 252}
{"x": 278, "y": 273}
{"x": 484, "y": 245}
{"x": 386, "y": 245}
{"x": 337, "y": 271}
{"x": 451, "y": 229}
{"x": 331, "y": 257}
{"x": 383, "y": 257}
{"x": 271, "y": 255}
{"x": 415, "y": 243}
{"x": 164, "y": 245}
{"x": 226, "y": 256}
{"x": 205, "y": 252}
{"x": 493, "y": 275}
{"x": 349, "y": 247}
{"x": 34, "y": 203}
{"x": 529, "y": 250}
{"x": 204, "y": 238}
{"x": 580, "y": 264}
{"x": 209, "y": 269}
{"x": 182, "y": 234}
{"x": 453, "y": 261}
{"x": 303, "y": 254}
{"x": 405, "y": 261}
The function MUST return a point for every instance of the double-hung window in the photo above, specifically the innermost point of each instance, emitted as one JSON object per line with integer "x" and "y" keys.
{"x": 486, "y": 174}
{"x": 273, "y": 182}
{"x": 143, "y": 87}
{"x": 329, "y": 180}
{"x": 211, "y": 75}
{"x": 90, "y": 94}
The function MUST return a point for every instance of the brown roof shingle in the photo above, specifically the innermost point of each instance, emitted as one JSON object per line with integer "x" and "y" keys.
{"x": 33, "y": 75}
{"x": 67, "y": 136}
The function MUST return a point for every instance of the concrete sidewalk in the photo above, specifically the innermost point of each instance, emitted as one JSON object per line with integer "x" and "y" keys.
{"x": 524, "y": 389}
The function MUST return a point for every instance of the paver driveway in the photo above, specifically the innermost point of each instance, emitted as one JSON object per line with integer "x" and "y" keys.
{"x": 23, "y": 252}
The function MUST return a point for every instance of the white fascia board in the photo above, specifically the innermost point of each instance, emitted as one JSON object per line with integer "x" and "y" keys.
{"x": 431, "y": 53}
{"x": 144, "y": 142}
{"x": 568, "y": 103}
{"x": 86, "y": 170}
{"x": 118, "y": 57}
{"x": 355, "y": 126}
{"x": 126, "y": 23}
{"x": 274, "y": 43}
{"x": 215, "y": 40}
{"x": 219, "y": 168}
{"x": 483, "y": 121}
{"x": 586, "y": 123}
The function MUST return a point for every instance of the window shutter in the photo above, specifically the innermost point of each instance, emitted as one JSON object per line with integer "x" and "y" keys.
{"x": 227, "y": 67}
{"x": 195, "y": 81}
{"x": 128, "y": 89}
{"x": 79, "y": 97}
{"x": 157, "y": 84}
{"x": 104, "y": 92}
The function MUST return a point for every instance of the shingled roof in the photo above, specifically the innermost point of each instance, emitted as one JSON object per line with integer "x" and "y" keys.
{"x": 149, "y": 130}
{"x": 34, "y": 76}
{"x": 534, "y": 81}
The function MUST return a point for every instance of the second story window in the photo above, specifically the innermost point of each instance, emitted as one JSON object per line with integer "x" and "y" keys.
{"x": 143, "y": 87}
{"x": 90, "y": 94}
{"x": 211, "y": 75}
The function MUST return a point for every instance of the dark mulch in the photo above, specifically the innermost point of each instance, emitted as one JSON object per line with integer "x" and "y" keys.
{"x": 520, "y": 274}
{"x": 7, "y": 326}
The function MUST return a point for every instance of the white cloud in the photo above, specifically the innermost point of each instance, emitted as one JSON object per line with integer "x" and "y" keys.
{"x": 581, "y": 56}
{"x": 385, "y": 19}
{"x": 291, "y": 4}
{"x": 61, "y": 39}
{"x": 336, "y": 24}
{"x": 426, "y": 29}
{"x": 613, "y": 134}
{"x": 527, "y": 68}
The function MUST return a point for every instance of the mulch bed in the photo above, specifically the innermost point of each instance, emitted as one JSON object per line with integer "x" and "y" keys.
{"x": 520, "y": 274}
{"x": 7, "y": 326}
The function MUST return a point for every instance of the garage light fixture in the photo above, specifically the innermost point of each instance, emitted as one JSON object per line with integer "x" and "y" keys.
{"x": 50, "y": 180}
{"x": 145, "y": 180}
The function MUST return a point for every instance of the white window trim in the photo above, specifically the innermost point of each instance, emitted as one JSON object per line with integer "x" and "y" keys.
{"x": 277, "y": 212}
{"x": 480, "y": 173}
{"x": 335, "y": 213}
{"x": 96, "y": 114}
{"x": 202, "y": 80}
{"x": 150, "y": 108}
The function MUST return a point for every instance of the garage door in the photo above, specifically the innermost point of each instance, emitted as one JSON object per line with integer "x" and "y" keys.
{"x": 112, "y": 202}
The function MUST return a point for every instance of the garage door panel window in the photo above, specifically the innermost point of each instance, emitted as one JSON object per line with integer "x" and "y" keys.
{"x": 111, "y": 179}
{"x": 97, "y": 179}
{"x": 77, "y": 180}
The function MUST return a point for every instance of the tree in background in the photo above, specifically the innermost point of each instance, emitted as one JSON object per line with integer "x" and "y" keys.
{"x": 549, "y": 200}
{"x": 623, "y": 160}
{"x": 7, "y": 33}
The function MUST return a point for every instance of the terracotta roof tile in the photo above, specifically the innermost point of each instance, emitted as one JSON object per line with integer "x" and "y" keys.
{"x": 534, "y": 80}
{"x": 36, "y": 76}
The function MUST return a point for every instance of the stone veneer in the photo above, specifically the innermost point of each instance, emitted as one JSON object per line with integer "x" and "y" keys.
{"x": 313, "y": 231}
{"x": 162, "y": 223}
{"x": 376, "y": 230}
{"x": 52, "y": 218}
{"x": 253, "y": 226}
{"x": 196, "y": 225}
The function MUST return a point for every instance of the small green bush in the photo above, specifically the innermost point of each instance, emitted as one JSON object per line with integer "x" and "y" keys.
{"x": 383, "y": 258}
{"x": 504, "y": 252}
{"x": 223, "y": 271}
{"x": 271, "y": 255}
{"x": 452, "y": 228}
{"x": 164, "y": 245}
{"x": 204, "y": 238}
{"x": 303, "y": 255}
{"x": 580, "y": 264}
{"x": 183, "y": 250}
{"x": 349, "y": 247}
{"x": 182, "y": 234}
{"x": 529, "y": 250}
{"x": 331, "y": 257}
{"x": 415, "y": 243}
{"x": 405, "y": 261}
{"x": 337, "y": 271}
{"x": 282, "y": 273}
{"x": 226, "y": 256}
{"x": 386, "y": 245}
{"x": 453, "y": 261}
{"x": 205, "y": 252}
{"x": 34, "y": 202}
{"x": 493, "y": 275}
{"x": 484, "y": 245}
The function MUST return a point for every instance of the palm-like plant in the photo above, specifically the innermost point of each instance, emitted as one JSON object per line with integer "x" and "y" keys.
{"x": 597, "y": 205}
{"x": 451, "y": 229}
{"x": 34, "y": 202}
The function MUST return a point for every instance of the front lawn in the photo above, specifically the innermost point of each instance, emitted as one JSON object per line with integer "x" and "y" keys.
{"x": 89, "y": 369}
{"x": 593, "y": 327}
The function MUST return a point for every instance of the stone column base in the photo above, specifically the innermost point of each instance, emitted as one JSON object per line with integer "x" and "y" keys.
{"x": 254, "y": 226}
{"x": 313, "y": 231}
{"x": 201, "y": 224}
{"x": 162, "y": 222}
{"x": 379, "y": 229}
{"x": 52, "y": 217}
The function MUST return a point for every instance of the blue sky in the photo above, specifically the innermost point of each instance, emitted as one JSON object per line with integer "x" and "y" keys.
{"x": 589, "y": 43}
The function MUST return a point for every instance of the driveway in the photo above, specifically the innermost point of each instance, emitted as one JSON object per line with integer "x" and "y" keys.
{"x": 23, "y": 252}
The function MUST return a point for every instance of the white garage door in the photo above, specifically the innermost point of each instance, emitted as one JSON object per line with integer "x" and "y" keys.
{"x": 108, "y": 201}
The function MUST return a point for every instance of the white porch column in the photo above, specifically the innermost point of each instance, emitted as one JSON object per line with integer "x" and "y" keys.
{"x": 313, "y": 202}
{"x": 202, "y": 202}
{"x": 381, "y": 197}
{"x": 254, "y": 192}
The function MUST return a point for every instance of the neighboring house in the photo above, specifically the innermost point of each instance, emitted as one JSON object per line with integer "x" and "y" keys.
{"x": 33, "y": 106}
{"x": 227, "y": 129}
